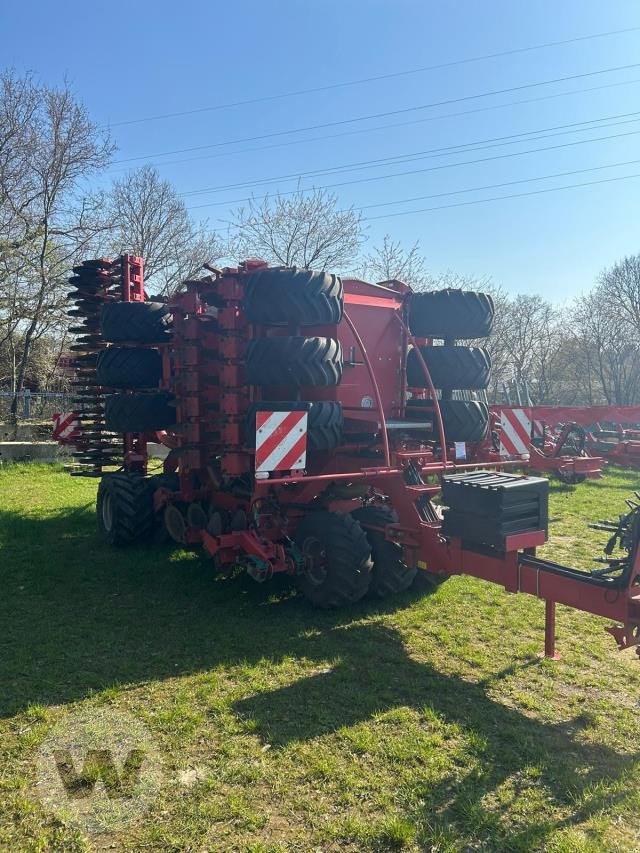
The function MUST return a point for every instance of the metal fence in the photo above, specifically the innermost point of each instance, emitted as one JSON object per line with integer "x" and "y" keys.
{"x": 35, "y": 405}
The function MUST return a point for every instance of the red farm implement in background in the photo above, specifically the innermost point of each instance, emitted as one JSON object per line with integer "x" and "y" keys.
{"x": 310, "y": 423}
{"x": 518, "y": 433}
{"x": 610, "y": 432}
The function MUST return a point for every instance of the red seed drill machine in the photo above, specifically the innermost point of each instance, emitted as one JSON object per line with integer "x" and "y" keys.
{"x": 305, "y": 435}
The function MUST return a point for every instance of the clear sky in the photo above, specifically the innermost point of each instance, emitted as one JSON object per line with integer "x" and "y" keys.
{"x": 137, "y": 59}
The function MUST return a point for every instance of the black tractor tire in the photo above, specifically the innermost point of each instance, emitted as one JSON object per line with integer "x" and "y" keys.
{"x": 139, "y": 322}
{"x": 294, "y": 361}
{"x": 463, "y": 420}
{"x": 451, "y": 314}
{"x": 390, "y": 573}
{"x": 161, "y": 535}
{"x": 343, "y": 573}
{"x": 324, "y": 423}
{"x": 139, "y": 412}
{"x": 299, "y": 297}
{"x": 450, "y": 367}
{"x": 124, "y": 508}
{"x": 570, "y": 478}
{"x": 122, "y": 367}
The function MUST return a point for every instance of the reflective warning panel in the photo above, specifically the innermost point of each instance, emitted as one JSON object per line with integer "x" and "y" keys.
{"x": 515, "y": 432}
{"x": 281, "y": 441}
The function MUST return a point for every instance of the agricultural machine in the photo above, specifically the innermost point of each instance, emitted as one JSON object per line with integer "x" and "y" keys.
{"x": 560, "y": 451}
{"x": 305, "y": 435}
{"x": 607, "y": 433}
{"x": 617, "y": 444}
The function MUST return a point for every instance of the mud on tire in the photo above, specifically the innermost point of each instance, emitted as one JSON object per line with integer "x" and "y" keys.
{"x": 341, "y": 559}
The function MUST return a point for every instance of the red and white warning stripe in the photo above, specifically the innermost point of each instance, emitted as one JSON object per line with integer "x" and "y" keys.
{"x": 281, "y": 441}
{"x": 66, "y": 427}
{"x": 515, "y": 432}
{"x": 538, "y": 429}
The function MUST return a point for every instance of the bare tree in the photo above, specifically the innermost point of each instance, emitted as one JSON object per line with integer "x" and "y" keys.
{"x": 607, "y": 342}
{"x": 18, "y": 107}
{"x": 47, "y": 221}
{"x": 392, "y": 261}
{"x": 146, "y": 216}
{"x": 526, "y": 331}
{"x": 620, "y": 285}
{"x": 306, "y": 230}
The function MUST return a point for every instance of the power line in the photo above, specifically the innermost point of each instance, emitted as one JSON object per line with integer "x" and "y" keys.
{"x": 397, "y": 124}
{"x": 502, "y": 197}
{"x": 497, "y": 186}
{"x": 384, "y": 114}
{"x": 392, "y": 75}
{"x": 436, "y": 168}
{"x": 416, "y": 155}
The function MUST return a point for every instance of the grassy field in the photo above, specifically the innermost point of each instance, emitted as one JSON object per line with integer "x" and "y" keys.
{"x": 426, "y": 724}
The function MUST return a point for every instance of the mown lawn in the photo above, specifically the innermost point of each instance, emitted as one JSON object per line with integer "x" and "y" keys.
{"x": 426, "y": 724}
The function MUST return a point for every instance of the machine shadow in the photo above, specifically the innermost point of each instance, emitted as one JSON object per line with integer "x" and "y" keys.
{"x": 375, "y": 674}
{"x": 79, "y": 617}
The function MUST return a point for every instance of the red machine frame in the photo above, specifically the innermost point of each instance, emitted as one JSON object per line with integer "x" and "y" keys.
{"x": 204, "y": 367}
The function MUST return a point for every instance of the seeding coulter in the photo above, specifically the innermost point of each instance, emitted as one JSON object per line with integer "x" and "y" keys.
{"x": 310, "y": 424}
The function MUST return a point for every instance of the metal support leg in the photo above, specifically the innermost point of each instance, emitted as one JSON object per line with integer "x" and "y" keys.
{"x": 549, "y": 631}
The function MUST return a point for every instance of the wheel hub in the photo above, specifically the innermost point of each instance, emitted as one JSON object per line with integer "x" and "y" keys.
{"x": 315, "y": 560}
{"x": 107, "y": 513}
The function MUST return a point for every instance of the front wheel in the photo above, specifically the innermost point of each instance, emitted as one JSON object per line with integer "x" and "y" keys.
{"x": 337, "y": 559}
{"x": 124, "y": 508}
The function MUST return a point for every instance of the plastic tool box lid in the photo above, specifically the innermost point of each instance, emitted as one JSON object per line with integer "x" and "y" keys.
{"x": 485, "y": 507}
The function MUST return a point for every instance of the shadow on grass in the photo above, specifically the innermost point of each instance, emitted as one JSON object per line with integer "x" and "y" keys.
{"x": 376, "y": 675}
{"x": 78, "y": 617}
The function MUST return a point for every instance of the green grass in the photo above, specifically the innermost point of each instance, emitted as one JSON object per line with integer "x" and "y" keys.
{"x": 423, "y": 724}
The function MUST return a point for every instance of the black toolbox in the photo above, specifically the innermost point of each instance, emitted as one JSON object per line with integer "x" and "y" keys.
{"x": 484, "y": 507}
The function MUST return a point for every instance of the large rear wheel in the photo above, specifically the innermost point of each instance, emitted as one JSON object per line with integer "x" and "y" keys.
{"x": 337, "y": 559}
{"x": 390, "y": 572}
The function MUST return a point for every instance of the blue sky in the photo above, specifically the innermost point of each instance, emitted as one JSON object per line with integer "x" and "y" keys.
{"x": 134, "y": 60}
